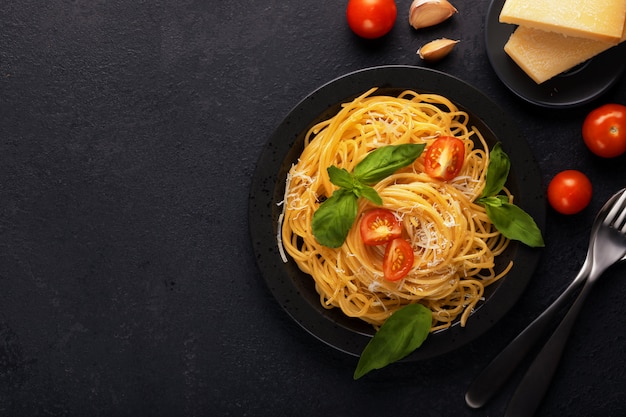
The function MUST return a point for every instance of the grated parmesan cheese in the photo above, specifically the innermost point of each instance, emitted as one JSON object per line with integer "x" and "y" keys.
{"x": 281, "y": 216}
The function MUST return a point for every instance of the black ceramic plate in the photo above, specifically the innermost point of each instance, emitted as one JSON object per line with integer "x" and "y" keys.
{"x": 295, "y": 291}
{"x": 575, "y": 87}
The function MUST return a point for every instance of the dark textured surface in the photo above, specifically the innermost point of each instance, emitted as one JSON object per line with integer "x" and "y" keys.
{"x": 129, "y": 132}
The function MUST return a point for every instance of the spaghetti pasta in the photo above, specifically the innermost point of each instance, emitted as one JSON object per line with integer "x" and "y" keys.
{"x": 453, "y": 240}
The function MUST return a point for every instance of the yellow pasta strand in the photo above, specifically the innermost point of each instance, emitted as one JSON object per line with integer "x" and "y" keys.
{"x": 454, "y": 242}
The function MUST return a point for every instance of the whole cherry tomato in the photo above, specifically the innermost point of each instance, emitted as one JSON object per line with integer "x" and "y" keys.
{"x": 604, "y": 130}
{"x": 444, "y": 158}
{"x": 569, "y": 192}
{"x": 371, "y": 18}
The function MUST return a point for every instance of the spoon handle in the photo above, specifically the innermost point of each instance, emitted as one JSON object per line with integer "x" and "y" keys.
{"x": 503, "y": 365}
{"x": 537, "y": 379}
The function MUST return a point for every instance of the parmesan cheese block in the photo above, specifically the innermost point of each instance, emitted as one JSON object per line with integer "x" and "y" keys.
{"x": 602, "y": 20}
{"x": 543, "y": 55}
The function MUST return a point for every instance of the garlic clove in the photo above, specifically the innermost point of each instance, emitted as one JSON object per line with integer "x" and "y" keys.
{"x": 437, "y": 49}
{"x": 425, "y": 13}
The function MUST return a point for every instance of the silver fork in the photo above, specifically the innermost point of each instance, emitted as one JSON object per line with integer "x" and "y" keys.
{"x": 609, "y": 226}
{"x": 608, "y": 248}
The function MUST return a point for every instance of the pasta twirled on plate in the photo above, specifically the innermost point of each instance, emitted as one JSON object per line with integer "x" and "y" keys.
{"x": 453, "y": 240}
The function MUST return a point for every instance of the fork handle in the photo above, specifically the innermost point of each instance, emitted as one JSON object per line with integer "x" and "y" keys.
{"x": 537, "y": 379}
{"x": 503, "y": 365}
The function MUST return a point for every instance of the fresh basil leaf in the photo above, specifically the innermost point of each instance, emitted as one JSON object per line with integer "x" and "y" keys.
{"x": 497, "y": 171}
{"x": 341, "y": 177}
{"x": 513, "y": 222}
{"x": 334, "y": 217}
{"x": 368, "y": 192}
{"x": 402, "y": 333}
{"x": 382, "y": 162}
{"x": 495, "y": 201}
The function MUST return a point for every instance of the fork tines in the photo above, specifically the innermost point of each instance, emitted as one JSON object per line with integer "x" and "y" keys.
{"x": 616, "y": 217}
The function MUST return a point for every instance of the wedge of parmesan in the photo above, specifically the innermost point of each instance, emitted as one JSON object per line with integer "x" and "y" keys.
{"x": 601, "y": 20}
{"x": 543, "y": 55}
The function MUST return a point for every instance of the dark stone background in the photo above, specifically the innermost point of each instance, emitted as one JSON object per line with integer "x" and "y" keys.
{"x": 129, "y": 132}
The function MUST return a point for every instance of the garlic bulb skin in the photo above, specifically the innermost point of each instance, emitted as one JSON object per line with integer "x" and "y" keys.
{"x": 425, "y": 13}
{"x": 437, "y": 49}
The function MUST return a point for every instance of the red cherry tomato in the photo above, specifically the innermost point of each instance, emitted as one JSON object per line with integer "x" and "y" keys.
{"x": 371, "y": 18}
{"x": 379, "y": 226}
{"x": 604, "y": 130}
{"x": 569, "y": 192}
{"x": 444, "y": 158}
{"x": 398, "y": 259}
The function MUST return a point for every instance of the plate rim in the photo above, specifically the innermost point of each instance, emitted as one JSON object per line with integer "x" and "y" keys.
{"x": 261, "y": 197}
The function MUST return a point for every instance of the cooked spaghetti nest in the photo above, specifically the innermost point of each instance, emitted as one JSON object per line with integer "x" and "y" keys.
{"x": 453, "y": 240}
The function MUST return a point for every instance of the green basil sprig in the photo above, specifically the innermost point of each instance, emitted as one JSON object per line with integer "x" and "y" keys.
{"x": 497, "y": 171}
{"x": 402, "y": 333}
{"x": 510, "y": 220}
{"x": 334, "y": 217}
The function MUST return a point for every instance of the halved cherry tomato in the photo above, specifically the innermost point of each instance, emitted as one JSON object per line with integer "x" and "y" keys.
{"x": 379, "y": 226}
{"x": 398, "y": 259}
{"x": 371, "y": 19}
{"x": 444, "y": 158}
{"x": 604, "y": 130}
{"x": 569, "y": 192}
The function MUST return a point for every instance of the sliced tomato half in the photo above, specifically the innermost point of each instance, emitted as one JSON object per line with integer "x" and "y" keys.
{"x": 398, "y": 259}
{"x": 444, "y": 158}
{"x": 379, "y": 226}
